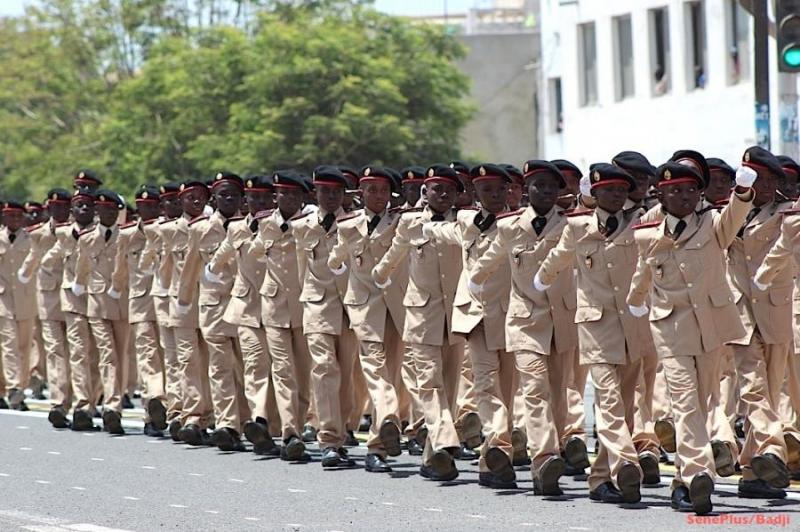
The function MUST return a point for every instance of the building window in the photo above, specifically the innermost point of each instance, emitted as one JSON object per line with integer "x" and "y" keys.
{"x": 623, "y": 54}
{"x": 660, "y": 55}
{"x": 587, "y": 63}
{"x": 556, "y": 106}
{"x": 696, "y": 46}
{"x": 737, "y": 35}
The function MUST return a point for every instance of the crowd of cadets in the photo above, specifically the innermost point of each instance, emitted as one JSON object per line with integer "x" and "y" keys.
{"x": 464, "y": 321}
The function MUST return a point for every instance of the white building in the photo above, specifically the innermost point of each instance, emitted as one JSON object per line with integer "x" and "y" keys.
{"x": 648, "y": 75}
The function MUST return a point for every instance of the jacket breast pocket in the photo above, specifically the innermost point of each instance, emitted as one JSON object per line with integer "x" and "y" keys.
{"x": 518, "y": 308}
{"x": 416, "y": 299}
{"x": 270, "y": 289}
{"x": 588, "y": 255}
{"x": 780, "y": 296}
{"x": 355, "y": 296}
{"x": 720, "y": 296}
{"x": 588, "y": 314}
{"x": 208, "y": 299}
{"x": 312, "y": 294}
{"x": 240, "y": 289}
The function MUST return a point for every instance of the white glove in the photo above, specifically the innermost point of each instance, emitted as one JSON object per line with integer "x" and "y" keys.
{"x": 375, "y": 279}
{"x": 210, "y": 276}
{"x": 538, "y": 285}
{"x": 427, "y": 229}
{"x": 474, "y": 289}
{"x": 759, "y": 286}
{"x": 340, "y": 270}
{"x": 78, "y": 289}
{"x": 113, "y": 294}
{"x": 22, "y": 277}
{"x": 745, "y": 177}
{"x": 585, "y": 186}
{"x": 182, "y": 310}
{"x": 638, "y": 312}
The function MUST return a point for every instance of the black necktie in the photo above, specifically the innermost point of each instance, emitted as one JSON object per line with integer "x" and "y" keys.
{"x": 437, "y": 218}
{"x": 75, "y": 234}
{"x": 373, "y": 224}
{"x": 538, "y": 224}
{"x": 12, "y": 237}
{"x": 750, "y": 215}
{"x": 284, "y": 227}
{"x": 327, "y": 221}
{"x": 611, "y": 225}
{"x": 679, "y": 227}
{"x": 254, "y": 226}
{"x": 108, "y": 234}
{"x": 484, "y": 223}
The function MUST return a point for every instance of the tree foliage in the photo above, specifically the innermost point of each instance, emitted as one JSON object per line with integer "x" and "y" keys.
{"x": 154, "y": 90}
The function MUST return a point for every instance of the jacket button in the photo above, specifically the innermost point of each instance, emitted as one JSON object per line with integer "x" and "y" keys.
{"x": 689, "y": 285}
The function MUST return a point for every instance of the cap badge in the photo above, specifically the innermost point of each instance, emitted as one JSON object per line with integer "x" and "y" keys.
{"x": 430, "y": 172}
{"x": 54, "y": 196}
{"x": 219, "y": 176}
{"x": 249, "y": 183}
{"x": 596, "y": 175}
{"x": 144, "y": 195}
{"x": 366, "y": 172}
{"x": 747, "y": 156}
{"x": 482, "y": 171}
{"x": 81, "y": 175}
{"x": 667, "y": 175}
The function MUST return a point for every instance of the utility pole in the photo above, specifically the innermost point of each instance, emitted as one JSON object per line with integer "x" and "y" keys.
{"x": 761, "y": 72}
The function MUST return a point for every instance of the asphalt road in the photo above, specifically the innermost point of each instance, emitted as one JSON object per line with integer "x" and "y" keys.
{"x": 60, "y": 481}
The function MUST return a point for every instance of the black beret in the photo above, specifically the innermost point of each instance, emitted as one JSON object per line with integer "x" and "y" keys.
{"x": 258, "y": 182}
{"x": 33, "y": 206}
{"x": 566, "y": 166}
{"x": 87, "y": 177}
{"x": 371, "y": 173}
{"x": 58, "y": 194}
{"x": 109, "y": 196}
{"x": 757, "y": 157}
{"x": 83, "y": 194}
{"x": 671, "y": 173}
{"x": 412, "y": 174}
{"x": 289, "y": 179}
{"x": 147, "y": 193}
{"x": 227, "y": 177}
{"x": 514, "y": 173}
{"x": 536, "y": 166}
{"x": 13, "y": 206}
{"x": 602, "y": 174}
{"x": 443, "y": 172}
{"x": 720, "y": 166}
{"x": 488, "y": 171}
{"x": 695, "y": 157}
{"x": 169, "y": 188}
{"x": 460, "y": 167}
{"x": 789, "y": 165}
{"x": 329, "y": 175}
{"x": 192, "y": 184}
{"x": 633, "y": 161}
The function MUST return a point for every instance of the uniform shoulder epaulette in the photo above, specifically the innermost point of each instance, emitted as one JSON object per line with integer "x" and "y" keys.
{"x": 469, "y": 208}
{"x": 32, "y": 228}
{"x": 508, "y": 214}
{"x": 646, "y": 225}
{"x": 349, "y": 216}
{"x": 128, "y": 224}
{"x": 790, "y": 212}
{"x": 412, "y": 210}
{"x": 398, "y": 209}
{"x": 234, "y": 219}
{"x": 577, "y": 212}
{"x": 63, "y": 224}
{"x": 162, "y": 222}
{"x": 149, "y": 222}
{"x": 300, "y": 216}
{"x": 198, "y": 219}
{"x": 85, "y": 231}
{"x": 260, "y": 215}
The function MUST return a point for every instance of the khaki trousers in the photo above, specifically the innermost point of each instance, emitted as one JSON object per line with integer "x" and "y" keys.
{"x": 436, "y": 365}
{"x": 362, "y": 404}
{"x": 257, "y": 365}
{"x": 111, "y": 338}
{"x": 614, "y": 405}
{"x": 661, "y": 407}
{"x": 728, "y": 385}
{"x": 38, "y": 353}
{"x": 193, "y": 370}
{"x": 575, "y": 422}
{"x": 54, "y": 338}
{"x": 289, "y": 352}
{"x": 332, "y": 365}
{"x": 414, "y": 410}
{"x": 172, "y": 375}
{"x": 644, "y": 435}
{"x": 82, "y": 361}
{"x": 494, "y": 388}
{"x": 380, "y": 362}
{"x": 16, "y": 339}
{"x": 150, "y": 362}
{"x": 226, "y": 380}
{"x": 790, "y": 403}
{"x": 130, "y": 375}
{"x": 760, "y": 368}
{"x": 691, "y": 381}
{"x": 466, "y": 400}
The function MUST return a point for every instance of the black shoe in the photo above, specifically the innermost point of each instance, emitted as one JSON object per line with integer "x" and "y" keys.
{"x": 309, "y": 434}
{"x": 680, "y": 500}
{"x": 700, "y": 491}
{"x": 174, "y": 430}
{"x": 490, "y": 480}
{"x": 112, "y": 422}
{"x": 738, "y": 427}
{"x": 422, "y": 436}
{"x": 465, "y": 453}
{"x": 792, "y": 448}
{"x": 414, "y": 448}
{"x": 547, "y": 482}
{"x": 629, "y": 483}
{"x": 771, "y": 470}
{"x": 665, "y": 431}
{"x": 157, "y": 413}
{"x": 375, "y": 463}
{"x": 365, "y": 423}
{"x": 20, "y": 406}
{"x": 258, "y": 434}
{"x": 389, "y": 435}
{"x": 351, "y": 440}
{"x": 152, "y": 431}
{"x": 651, "y": 476}
{"x": 471, "y": 430}
{"x": 331, "y": 457}
{"x": 3, "y": 404}
{"x": 571, "y": 471}
{"x": 82, "y": 421}
{"x": 191, "y": 435}
{"x": 58, "y": 418}
{"x": 227, "y": 440}
{"x": 294, "y": 450}
{"x": 664, "y": 457}
{"x": 519, "y": 441}
{"x": 758, "y": 489}
{"x": 127, "y": 404}
{"x": 345, "y": 457}
{"x": 606, "y": 492}
{"x": 723, "y": 459}
{"x": 498, "y": 463}
{"x": 442, "y": 466}
{"x": 575, "y": 453}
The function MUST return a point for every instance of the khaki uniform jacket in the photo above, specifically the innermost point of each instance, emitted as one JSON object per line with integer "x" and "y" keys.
{"x": 769, "y": 311}
{"x": 605, "y": 268}
{"x": 322, "y": 291}
{"x": 691, "y": 306}
{"x": 534, "y": 318}
{"x": 129, "y": 275}
{"x": 206, "y": 235}
{"x": 48, "y": 282}
{"x": 490, "y": 306}
{"x": 367, "y": 304}
{"x": 154, "y": 260}
{"x": 63, "y": 256}
{"x": 17, "y": 300}
{"x": 174, "y": 239}
{"x": 94, "y": 268}
{"x": 433, "y": 272}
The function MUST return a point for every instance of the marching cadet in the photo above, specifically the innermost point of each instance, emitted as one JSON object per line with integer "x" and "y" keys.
{"x": 86, "y": 181}
{"x": 51, "y": 318}
{"x": 36, "y": 217}
{"x": 432, "y": 348}
{"x": 761, "y": 353}
{"x": 331, "y": 342}
{"x": 540, "y": 327}
{"x": 282, "y": 312}
{"x": 601, "y": 243}
{"x": 128, "y": 276}
{"x": 516, "y": 189}
{"x": 681, "y": 268}
{"x": 466, "y": 197}
{"x": 642, "y": 173}
{"x": 17, "y": 305}
{"x": 479, "y": 314}
{"x": 376, "y": 315}
{"x": 572, "y": 175}
{"x": 721, "y": 179}
{"x": 213, "y": 292}
{"x": 107, "y": 309}
{"x": 411, "y": 189}
{"x": 244, "y": 309}
{"x": 787, "y": 187}
{"x": 83, "y": 357}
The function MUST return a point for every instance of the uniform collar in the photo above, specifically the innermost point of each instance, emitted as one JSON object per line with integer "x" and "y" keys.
{"x": 672, "y": 221}
{"x": 603, "y": 215}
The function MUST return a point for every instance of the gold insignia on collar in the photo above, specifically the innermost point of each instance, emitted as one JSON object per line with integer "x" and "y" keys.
{"x": 430, "y": 172}
{"x": 144, "y": 195}
{"x": 482, "y": 171}
{"x": 596, "y": 175}
{"x": 366, "y": 172}
{"x": 667, "y": 175}
{"x": 588, "y": 262}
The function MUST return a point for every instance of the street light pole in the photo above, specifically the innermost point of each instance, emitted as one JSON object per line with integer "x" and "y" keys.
{"x": 761, "y": 72}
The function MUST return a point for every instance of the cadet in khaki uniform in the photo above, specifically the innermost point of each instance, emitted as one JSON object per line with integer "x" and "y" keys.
{"x": 601, "y": 243}
{"x": 51, "y": 318}
{"x": 376, "y": 315}
{"x": 681, "y": 265}
{"x": 479, "y": 314}
{"x": 225, "y": 365}
{"x": 762, "y": 352}
{"x": 539, "y": 326}
{"x": 36, "y": 217}
{"x": 244, "y": 309}
{"x": 129, "y": 276}
{"x": 434, "y": 351}
{"x": 106, "y": 308}
{"x": 82, "y": 353}
{"x": 17, "y": 305}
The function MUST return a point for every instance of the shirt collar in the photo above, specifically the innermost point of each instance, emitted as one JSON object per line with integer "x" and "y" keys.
{"x": 672, "y": 221}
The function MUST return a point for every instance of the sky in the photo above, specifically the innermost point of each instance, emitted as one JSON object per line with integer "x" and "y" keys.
{"x": 395, "y": 7}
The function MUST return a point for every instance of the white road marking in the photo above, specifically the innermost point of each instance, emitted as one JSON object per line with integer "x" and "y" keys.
{"x": 351, "y": 498}
{"x": 120, "y": 438}
{"x": 212, "y": 512}
{"x": 295, "y": 490}
{"x": 579, "y": 528}
{"x": 44, "y": 528}
{"x": 98, "y": 459}
{"x": 88, "y": 434}
{"x": 433, "y": 509}
{"x": 298, "y": 525}
{"x": 153, "y": 441}
{"x": 23, "y": 427}
{"x": 178, "y": 506}
{"x": 87, "y": 527}
{"x": 148, "y": 467}
{"x": 476, "y": 516}
{"x": 235, "y": 480}
{"x": 43, "y": 482}
{"x": 79, "y": 488}
{"x": 4, "y": 475}
{"x": 54, "y": 452}
{"x": 388, "y": 503}
{"x": 129, "y": 498}
{"x": 195, "y": 474}
{"x": 25, "y": 449}
{"x": 252, "y": 519}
